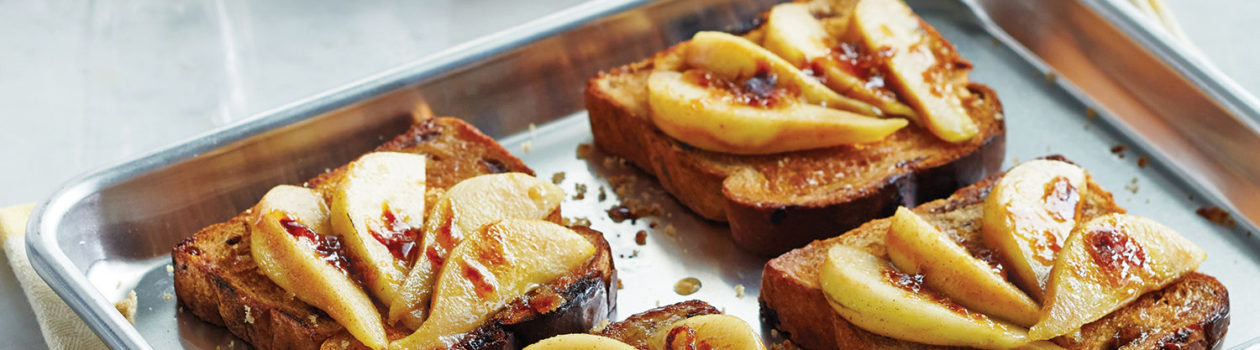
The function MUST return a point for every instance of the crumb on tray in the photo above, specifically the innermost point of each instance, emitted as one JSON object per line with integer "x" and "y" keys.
{"x": 127, "y": 306}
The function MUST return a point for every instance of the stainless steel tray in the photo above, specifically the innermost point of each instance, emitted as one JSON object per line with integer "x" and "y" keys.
{"x": 111, "y": 231}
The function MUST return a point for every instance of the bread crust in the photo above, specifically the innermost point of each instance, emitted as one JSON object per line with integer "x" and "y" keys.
{"x": 217, "y": 280}
{"x": 793, "y": 303}
{"x": 782, "y": 201}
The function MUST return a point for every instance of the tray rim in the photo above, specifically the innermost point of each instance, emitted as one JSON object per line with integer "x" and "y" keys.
{"x": 59, "y": 272}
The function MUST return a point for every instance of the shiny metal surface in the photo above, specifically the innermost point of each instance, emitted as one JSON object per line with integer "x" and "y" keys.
{"x": 111, "y": 231}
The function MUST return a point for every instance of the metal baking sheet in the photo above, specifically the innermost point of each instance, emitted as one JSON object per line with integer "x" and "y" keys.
{"x": 110, "y": 232}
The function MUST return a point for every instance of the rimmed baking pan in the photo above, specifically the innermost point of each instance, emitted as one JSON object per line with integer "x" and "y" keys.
{"x": 1082, "y": 78}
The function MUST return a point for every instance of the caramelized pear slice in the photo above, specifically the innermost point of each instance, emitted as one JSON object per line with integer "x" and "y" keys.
{"x": 1108, "y": 262}
{"x": 733, "y": 58}
{"x": 719, "y": 120}
{"x": 287, "y": 240}
{"x": 1028, "y": 215}
{"x": 793, "y": 33}
{"x": 869, "y": 293}
{"x": 378, "y": 210}
{"x": 502, "y": 262}
{"x": 917, "y": 247}
{"x": 579, "y": 342}
{"x": 920, "y": 76}
{"x": 462, "y": 210}
{"x": 718, "y": 331}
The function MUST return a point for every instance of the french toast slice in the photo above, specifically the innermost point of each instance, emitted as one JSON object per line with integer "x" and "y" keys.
{"x": 216, "y": 279}
{"x": 782, "y": 201}
{"x": 638, "y": 328}
{"x": 1194, "y": 311}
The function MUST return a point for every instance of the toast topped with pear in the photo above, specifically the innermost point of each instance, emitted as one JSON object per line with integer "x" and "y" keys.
{"x": 826, "y": 115}
{"x": 438, "y": 239}
{"x": 686, "y": 325}
{"x": 1040, "y": 257}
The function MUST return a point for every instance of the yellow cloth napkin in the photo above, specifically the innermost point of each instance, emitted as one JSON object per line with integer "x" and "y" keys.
{"x": 62, "y": 328}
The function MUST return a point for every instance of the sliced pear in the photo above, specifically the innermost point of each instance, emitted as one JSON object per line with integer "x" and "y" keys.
{"x": 715, "y": 120}
{"x": 579, "y": 342}
{"x": 378, "y": 210}
{"x": 860, "y": 287}
{"x": 734, "y": 58}
{"x": 917, "y": 73}
{"x": 504, "y": 261}
{"x": 1108, "y": 262}
{"x": 287, "y": 240}
{"x": 793, "y": 33}
{"x": 917, "y": 247}
{"x": 717, "y": 331}
{"x": 1029, "y": 214}
{"x": 464, "y": 209}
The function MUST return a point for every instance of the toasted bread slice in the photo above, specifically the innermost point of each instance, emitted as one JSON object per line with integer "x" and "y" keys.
{"x": 1191, "y": 311}
{"x": 217, "y": 280}
{"x": 638, "y": 328}
{"x": 782, "y": 201}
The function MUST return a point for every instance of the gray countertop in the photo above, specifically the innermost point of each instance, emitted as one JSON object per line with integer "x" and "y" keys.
{"x": 90, "y": 83}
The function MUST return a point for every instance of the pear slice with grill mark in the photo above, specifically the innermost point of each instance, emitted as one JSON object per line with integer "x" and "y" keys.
{"x": 378, "y": 210}
{"x": 462, "y": 210}
{"x": 793, "y": 33}
{"x": 579, "y": 342}
{"x": 1029, "y": 214}
{"x": 1107, "y": 263}
{"x": 717, "y": 120}
{"x": 291, "y": 242}
{"x": 917, "y": 247}
{"x": 489, "y": 269}
{"x": 923, "y": 78}
{"x": 870, "y": 293}
{"x": 734, "y": 58}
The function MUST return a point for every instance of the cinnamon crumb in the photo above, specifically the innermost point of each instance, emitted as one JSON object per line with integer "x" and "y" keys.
{"x": 1118, "y": 150}
{"x": 557, "y": 178}
{"x": 584, "y": 151}
{"x": 127, "y": 306}
{"x": 602, "y": 194}
{"x": 1142, "y": 161}
{"x": 1217, "y": 216}
{"x": 580, "y": 188}
{"x": 640, "y": 237}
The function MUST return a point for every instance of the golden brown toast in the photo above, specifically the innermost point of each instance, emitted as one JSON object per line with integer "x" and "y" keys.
{"x": 1193, "y": 311}
{"x": 638, "y": 328}
{"x": 782, "y": 201}
{"x": 218, "y": 281}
